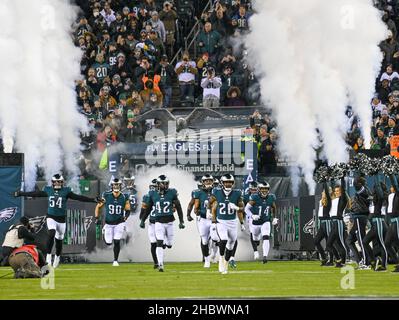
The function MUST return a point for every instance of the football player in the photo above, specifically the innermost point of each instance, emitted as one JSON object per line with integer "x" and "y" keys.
{"x": 204, "y": 215}
{"x": 117, "y": 210}
{"x": 164, "y": 199}
{"x": 252, "y": 189}
{"x": 58, "y": 196}
{"x": 191, "y": 203}
{"x": 226, "y": 204}
{"x": 151, "y": 226}
{"x": 261, "y": 208}
{"x": 130, "y": 191}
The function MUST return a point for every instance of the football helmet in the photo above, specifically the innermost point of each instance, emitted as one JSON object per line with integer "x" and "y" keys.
{"x": 207, "y": 181}
{"x": 153, "y": 184}
{"x": 128, "y": 181}
{"x": 216, "y": 183}
{"x": 263, "y": 189}
{"x": 162, "y": 183}
{"x": 227, "y": 182}
{"x": 253, "y": 187}
{"x": 116, "y": 185}
{"x": 57, "y": 181}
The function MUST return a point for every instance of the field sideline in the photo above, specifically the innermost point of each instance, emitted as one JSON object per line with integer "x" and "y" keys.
{"x": 190, "y": 280}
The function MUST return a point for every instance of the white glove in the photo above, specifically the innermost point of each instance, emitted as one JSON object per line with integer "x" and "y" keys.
{"x": 242, "y": 227}
{"x": 255, "y": 217}
{"x": 208, "y": 214}
{"x": 275, "y": 221}
{"x": 232, "y": 206}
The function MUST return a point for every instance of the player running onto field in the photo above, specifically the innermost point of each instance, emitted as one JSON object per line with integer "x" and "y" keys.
{"x": 164, "y": 199}
{"x": 117, "y": 210}
{"x": 58, "y": 196}
{"x": 226, "y": 204}
{"x": 261, "y": 208}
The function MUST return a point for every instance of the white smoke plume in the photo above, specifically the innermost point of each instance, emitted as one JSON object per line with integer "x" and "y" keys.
{"x": 313, "y": 59}
{"x": 38, "y": 113}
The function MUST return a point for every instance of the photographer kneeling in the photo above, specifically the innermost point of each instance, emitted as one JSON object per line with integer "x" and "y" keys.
{"x": 26, "y": 260}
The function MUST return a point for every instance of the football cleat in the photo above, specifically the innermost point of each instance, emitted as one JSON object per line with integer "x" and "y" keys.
{"x": 323, "y": 262}
{"x": 56, "y": 261}
{"x": 156, "y": 266}
{"x": 396, "y": 269}
{"x": 339, "y": 264}
{"x": 160, "y": 268}
{"x": 233, "y": 264}
{"x": 256, "y": 255}
{"x": 264, "y": 261}
{"x": 115, "y": 264}
{"x": 381, "y": 269}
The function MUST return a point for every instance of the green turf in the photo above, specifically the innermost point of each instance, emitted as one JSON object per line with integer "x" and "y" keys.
{"x": 190, "y": 280}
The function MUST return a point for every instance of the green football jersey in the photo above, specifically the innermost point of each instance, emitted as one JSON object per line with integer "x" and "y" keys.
{"x": 262, "y": 207}
{"x": 203, "y": 197}
{"x": 146, "y": 200}
{"x": 163, "y": 204}
{"x": 57, "y": 199}
{"x": 114, "y": 207}
{"x": 224, "y": 212}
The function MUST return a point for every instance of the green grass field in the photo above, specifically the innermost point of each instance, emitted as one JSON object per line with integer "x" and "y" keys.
{"x": 190, "y": 280}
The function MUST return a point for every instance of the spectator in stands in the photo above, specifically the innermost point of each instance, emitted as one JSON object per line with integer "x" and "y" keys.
{"x": 234, "y": 98}
{"x": 208, "y": 41}
{"x": 100, "y": 67}
{"x": 390, "y": 49}
{"x": 158, "y": 45}
{"x": 106, "y": 100}
{"x": 105, "y": 138}
{"x": 186, "y": 70}
{"x": 242, "y": 18}
{"x": 112, "y": 121}
{"x": 169, "y": 16}
{"x": 157, "y": 25}
{"x": 155, "y": 78}
{"x": 228, "y": 80}
{"x": 220, "y": 21}
{"x": 116, "y": 86}
{"x": 133, "y": 132}
{"x": 392, "y": 129}
{"x": 380, "y": 142}
{"x": 167, "y": 74}
{"x": 141, "y": 71}
{"x": 359, "y": 144}
{"x": 267, "y": 152}
{"x": 389, "y": 74}
{"x": 108, "y": 14}
{"x": 152, "y": 98}
{"x": 377, "y": 106}
{"x": 384, "y": 91}
{"x": 121, "y": 67}
{"x": 211, "y": 85}
{"x": 135, "y": 101}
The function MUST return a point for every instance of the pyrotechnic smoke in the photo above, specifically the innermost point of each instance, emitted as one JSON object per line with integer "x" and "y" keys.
{"x": 313, "y": 59}
{"x": 38, "y": 114}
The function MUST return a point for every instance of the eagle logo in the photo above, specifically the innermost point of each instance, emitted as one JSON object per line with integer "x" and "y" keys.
{"x": 309, "y": 227}
{"x": 8, "y": 214}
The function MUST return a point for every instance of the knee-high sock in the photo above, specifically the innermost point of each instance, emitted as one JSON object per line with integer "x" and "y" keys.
{"x": 205, "y": 249}
{"x": 117, "y": 249}
{"x": 50, "y": 241}
{"x": 222, "y": 247}
{"x": 58, "y": 247}
{"x": 154, "y": 252}
{"x": 233, "y": 253}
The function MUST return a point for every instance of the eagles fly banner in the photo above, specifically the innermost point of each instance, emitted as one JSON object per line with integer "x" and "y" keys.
{"x": 10, "y": 207}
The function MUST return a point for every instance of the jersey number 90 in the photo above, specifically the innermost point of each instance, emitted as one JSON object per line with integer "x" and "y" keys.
{"x": 112, "y": 209}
